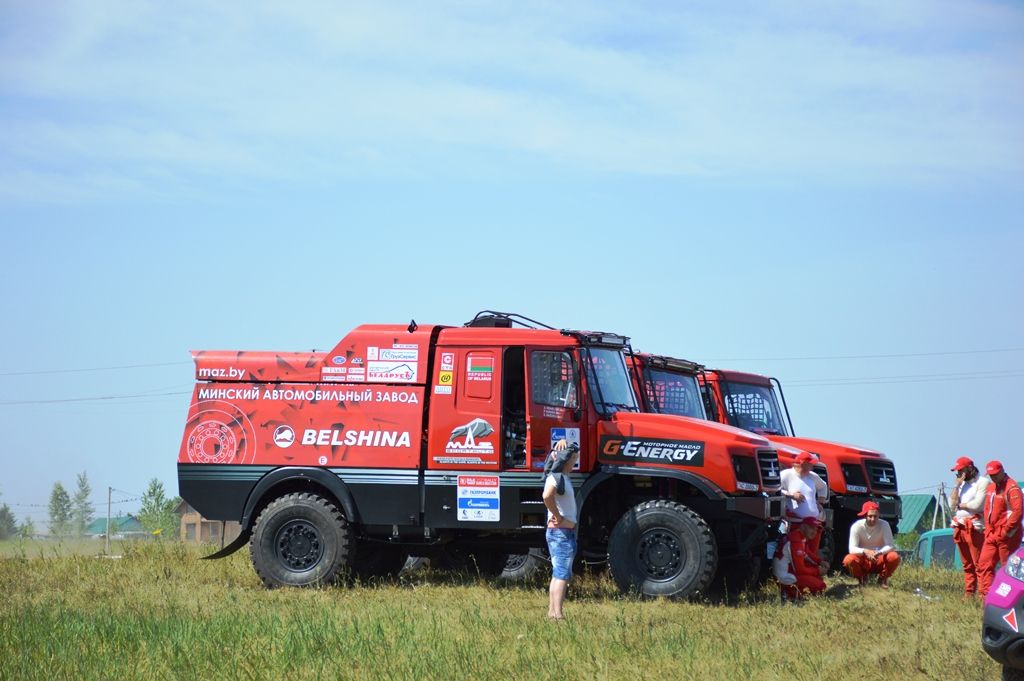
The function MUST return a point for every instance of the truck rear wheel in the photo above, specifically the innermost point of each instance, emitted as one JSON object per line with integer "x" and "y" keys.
{"x": 827, "y": 548}
{"x": 662, "y": 548}
{"x": 300, "y": 539}
{"x": 485, "y": 564}
{"x": 522, "y": 567}
{"x": 377, "y": 560}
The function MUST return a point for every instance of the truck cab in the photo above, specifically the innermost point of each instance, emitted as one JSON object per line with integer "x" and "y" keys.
{"x": 430, "y": 440}
{"x": 854, "y": 474}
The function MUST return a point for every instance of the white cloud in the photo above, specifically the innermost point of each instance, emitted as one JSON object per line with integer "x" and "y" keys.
{"x": 883, "y": 90}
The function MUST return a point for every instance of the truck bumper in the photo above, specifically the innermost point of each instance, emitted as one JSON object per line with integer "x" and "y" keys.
{"x": 762, "y": 508}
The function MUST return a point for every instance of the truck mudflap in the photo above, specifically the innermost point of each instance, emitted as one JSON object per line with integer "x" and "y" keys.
{"x": 240, "y": 541}
{"x": 762, "y": 508}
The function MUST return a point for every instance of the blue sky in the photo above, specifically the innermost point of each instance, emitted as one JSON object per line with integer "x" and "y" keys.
{"x": 751, "y": 186}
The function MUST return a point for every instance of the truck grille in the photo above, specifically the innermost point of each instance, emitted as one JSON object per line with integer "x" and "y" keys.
{"x": 853, "y": 475}
{"x": 768, "y": 463}
{"x": 747, "y": 478}
{"x": 882, "y": 475}
{"x": 822, "y": 472}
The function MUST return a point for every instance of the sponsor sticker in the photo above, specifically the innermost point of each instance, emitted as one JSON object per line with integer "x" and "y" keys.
{"x": 468, "y": 439}
{"x": 571, "y": 436}
{"x": 1004, "y": 589}
{"x": 480, "y": 369}
{"x": 746, "y": 486}
{"x": 357, "y": 360}
{"x": 371, "y": 352}
{"x": 391, "y": 372}
{"x": 479, "y": 498}
{"x": 1011, "y": 619}
{"x": 857, "y": 488}
{"x": 386, "y": 355}
{"x": 448, "y": 361}
{"x": 442, "y": 390}
{"x": 338, "y": 359}
{"x": 334, "y": 370}
{"x": 336, "y": 437}
{"x": 652, "y": 450}
{"x": 445, "y": 378}
{"x": 405, "y": 346}
{"x": 284, "y": 436}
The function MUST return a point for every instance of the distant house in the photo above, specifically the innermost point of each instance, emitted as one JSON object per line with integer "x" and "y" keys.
{"x": 122, "y": 527}
{"x": 919, "y": 512}
{"x": 195, "y": 529}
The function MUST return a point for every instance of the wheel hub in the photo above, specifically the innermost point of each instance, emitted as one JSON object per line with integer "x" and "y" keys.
{"x": 298, "y": 545}
{"x": 660, "y": 554}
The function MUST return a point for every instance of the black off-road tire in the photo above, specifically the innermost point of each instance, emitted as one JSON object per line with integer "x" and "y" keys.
{"x": 827, "y": 548}
{"x": 301, "y": 539}
{"x": 487, "y": 564}
{"x": 662, "y": 548}
{"x": 414, "y": 564}
{"x": 1011, "y": 674}
{"x": 375, "y": 560}
{"x": 523, "y": 567}
{"x": 736, "y": 575}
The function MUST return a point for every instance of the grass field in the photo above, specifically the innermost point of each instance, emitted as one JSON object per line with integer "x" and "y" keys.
{"x": 160, "y": 612}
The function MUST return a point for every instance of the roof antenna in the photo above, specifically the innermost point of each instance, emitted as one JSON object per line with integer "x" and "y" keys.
{"x": 413, "y": 326}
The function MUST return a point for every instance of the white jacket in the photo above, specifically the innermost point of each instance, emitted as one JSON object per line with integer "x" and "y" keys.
{"x": 972, "y": 501}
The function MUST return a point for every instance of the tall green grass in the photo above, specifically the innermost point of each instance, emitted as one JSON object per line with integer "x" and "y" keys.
{"x": 160, "y": 612}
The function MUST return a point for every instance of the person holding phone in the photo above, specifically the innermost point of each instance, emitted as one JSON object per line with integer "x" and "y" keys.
{"x": 966, "y": 501}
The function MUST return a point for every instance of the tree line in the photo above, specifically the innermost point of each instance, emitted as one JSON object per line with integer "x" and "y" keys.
{"x": 70, "y": 514}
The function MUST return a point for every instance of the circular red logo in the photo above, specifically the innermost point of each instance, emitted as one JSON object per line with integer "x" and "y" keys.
{"x": 212, "y": 442}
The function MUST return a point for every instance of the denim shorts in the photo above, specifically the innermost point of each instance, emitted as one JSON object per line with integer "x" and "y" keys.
{"x": 562, "y": 548}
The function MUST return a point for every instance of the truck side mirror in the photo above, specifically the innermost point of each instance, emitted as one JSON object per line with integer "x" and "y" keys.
{"x": 577, "y": 414}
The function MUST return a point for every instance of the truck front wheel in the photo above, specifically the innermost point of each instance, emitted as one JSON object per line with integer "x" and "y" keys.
{"x": 300, "y": 539}
{"x": 662, "y": 548}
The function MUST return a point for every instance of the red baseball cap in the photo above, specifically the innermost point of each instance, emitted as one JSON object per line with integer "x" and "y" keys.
{"x": 962, "y": 462}
{"x": 805, "y": 457}
{"x": 868, "y": 506}
{"x": 993, "y": 467}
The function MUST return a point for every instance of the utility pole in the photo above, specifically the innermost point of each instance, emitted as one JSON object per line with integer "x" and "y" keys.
{"x": 109, "y": 490}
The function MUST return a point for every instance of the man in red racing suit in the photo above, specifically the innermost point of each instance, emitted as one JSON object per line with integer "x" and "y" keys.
{"x": 798, "y": 569}
{"x": 1002, "y": 517}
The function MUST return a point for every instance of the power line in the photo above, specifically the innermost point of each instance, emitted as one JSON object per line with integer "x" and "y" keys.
{"x": 883, "y": 380}
{"x": 91, "y": 399}
{"x": 74, "y": 371}
{"x": 828, "y": 357}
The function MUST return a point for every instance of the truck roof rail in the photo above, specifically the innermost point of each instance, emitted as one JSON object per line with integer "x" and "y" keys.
{"x": 505, "y": 320}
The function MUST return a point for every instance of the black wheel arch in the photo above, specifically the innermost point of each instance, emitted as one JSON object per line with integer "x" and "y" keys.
{"x": 704, "y": 486}
{"x": 285, "y": 480}
{"x": 298, "y": 479}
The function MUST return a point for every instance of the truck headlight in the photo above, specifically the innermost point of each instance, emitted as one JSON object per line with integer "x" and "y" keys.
{"x": 1015, "y": 567}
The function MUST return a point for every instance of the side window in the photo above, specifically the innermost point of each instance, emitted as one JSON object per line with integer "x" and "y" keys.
{"x": 553, "y": 379}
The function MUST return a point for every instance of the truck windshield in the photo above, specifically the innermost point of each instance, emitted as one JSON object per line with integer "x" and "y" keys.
{"x": 610, "y": 387}
{"x": 753, "y": 407}
{"x": 673, "y": 393}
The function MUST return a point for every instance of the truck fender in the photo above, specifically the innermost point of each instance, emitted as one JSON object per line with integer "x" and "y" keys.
{"x": 323, "y": 477}
{"x": 705, "y": 486}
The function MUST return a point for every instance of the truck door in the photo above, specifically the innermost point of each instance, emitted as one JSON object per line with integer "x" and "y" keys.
{"x": 554, "y": 407}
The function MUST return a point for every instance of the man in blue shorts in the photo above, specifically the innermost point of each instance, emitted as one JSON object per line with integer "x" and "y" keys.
{"x": 561, "y": 533}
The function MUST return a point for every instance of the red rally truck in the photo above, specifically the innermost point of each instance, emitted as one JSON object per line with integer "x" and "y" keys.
{"x": 429, "y": 440}
{"x": 669, "y": 385}
{"x": 855, "y": 474}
